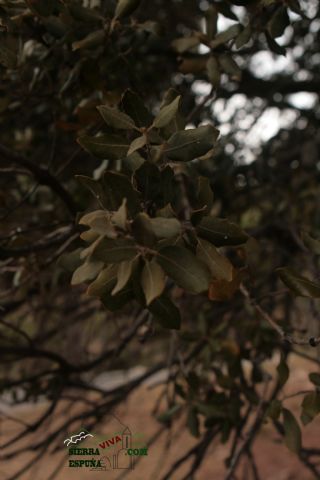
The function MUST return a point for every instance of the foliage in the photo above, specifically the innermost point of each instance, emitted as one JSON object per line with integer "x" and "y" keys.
{"x": 127, "y": 196}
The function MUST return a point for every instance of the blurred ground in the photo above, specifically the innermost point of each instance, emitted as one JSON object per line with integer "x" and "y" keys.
{"x": 274, "y": 461}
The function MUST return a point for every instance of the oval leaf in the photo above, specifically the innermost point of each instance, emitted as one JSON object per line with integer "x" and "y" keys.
{"x": 135, "y": 108}
{"x": 221, "y": 232}
{"x": 219, "y": 265}
{"x": 104, "y": 282}
{"x": 116, "y": 119}
{"x": 115, "y": 251}
{"x": 184, "y": 268}
{"x": 152, "y": 280}
{"x": 299, "y": 286}
{"x": 123, "y": 275}
{"x": 311, "y": 243}
{"x": 181, "y": 45}
{"x": 225, "y": 36}
{"x": 310, "y": 407}
{"x": 165, "y": 311}
{"x": 283, "y": 372}
{"x": 213, "y": 71}
{"x": 126, "y": 7}
{"x": 165, "y": 227}
{"x": 106, "y": 146}
{"x": 292, "y": 432}
{"x": 87, "y": 271}
{"x": 167, "y": 113}
{"x": 186, "y": 145}
{"x": 92, "y": 40}
{"x": 136, "y": 144}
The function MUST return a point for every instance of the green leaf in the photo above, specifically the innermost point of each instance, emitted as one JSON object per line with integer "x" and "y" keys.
{"x": 278, "y": 22}
{"x": 177, "y": 123}
{"x": 165, "y": 227}
{"x": 211, "y": 16}
{"x": 311, "y": 243}
{"x": 99, "y": 222}
{"x": 167, "y": 186}
{"x": 87, "y": 271}
{"x": 205, "y": 195}
{"x": 90, "y": 217}
{"x": 106, "y": 146}
{"x": 274, "y": 409}
{"x": 295, "y": 6}
{"x": 87, "y": 252}
{"x": 124, "y": 273}
{"x": 213, "y": 410}
{"x": 132, "y": 163}
{"x": 94, "y": 39}
{"x": 184, "y": 44}
{"x": 119, "y": 218}
{"x": 135, "y": 108}
{"x": 136, "y": 144}
{"x": 155, "y": 186}
{"x": 299, "y": 286}
{"x": 116, "y": 187}
{"x": 118, "y": 301}
{"x": 105, "y": 281}
{"x": 165, "y": 311}
{"x": 92, "y": 185}
{"x": 292, "y": 432}
{"x": 310, "y": 407}
{"x": 221, "y": 232}
{"x": 153, "y": 280}
{"x": 213, "y": 72}
{"x": 184, "y": 268}
{"x": 126, "y": 7}
{"x": 166, "y": 416}
{"x": 244, "y": 37}
{"x": 219, "y": 265}
{"x": 315, "y": 378}
{"x": 230, "y": 67}
{"x": 193, "y": 422}
{"x": 90, "y": 236}
{"x": 148, "y": 180}
{"x": 186, "y": 145}
{"x": 225, "y": 36}
{"x": 70, "y": 261}
{"x": 283, "y": 371}
{"x": 143, "y": 231}
{"x": 167, "y": 113}
{"x": 116, "y": 119}
{"x": 155, "y": 28}
{"x": 115, "y": 251}
{"x": 226, "y": 11}
{"x": 274, "y": 46}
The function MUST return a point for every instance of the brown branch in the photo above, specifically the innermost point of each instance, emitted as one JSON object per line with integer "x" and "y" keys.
{"x": 246, "y": 445}
{"x": 52, "y": 240}
{"x": 293, "y": 339}
{"x": 43, "y": 176}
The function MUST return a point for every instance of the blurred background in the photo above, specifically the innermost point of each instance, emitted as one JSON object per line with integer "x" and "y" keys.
{"x": 65, "y": 361}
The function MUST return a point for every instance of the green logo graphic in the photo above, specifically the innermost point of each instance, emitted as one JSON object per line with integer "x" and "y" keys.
{"x": 115, "y": 450}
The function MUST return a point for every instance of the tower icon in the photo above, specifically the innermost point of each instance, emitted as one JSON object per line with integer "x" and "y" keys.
{"x": 122, "y": 460}
{"x": 126, "y": 438}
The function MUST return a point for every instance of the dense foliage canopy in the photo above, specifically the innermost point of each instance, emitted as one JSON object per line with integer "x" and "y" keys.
{"x": 159, "y": 181}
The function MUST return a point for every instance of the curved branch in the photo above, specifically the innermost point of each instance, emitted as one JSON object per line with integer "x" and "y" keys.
{"x": 43, "y": 176}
